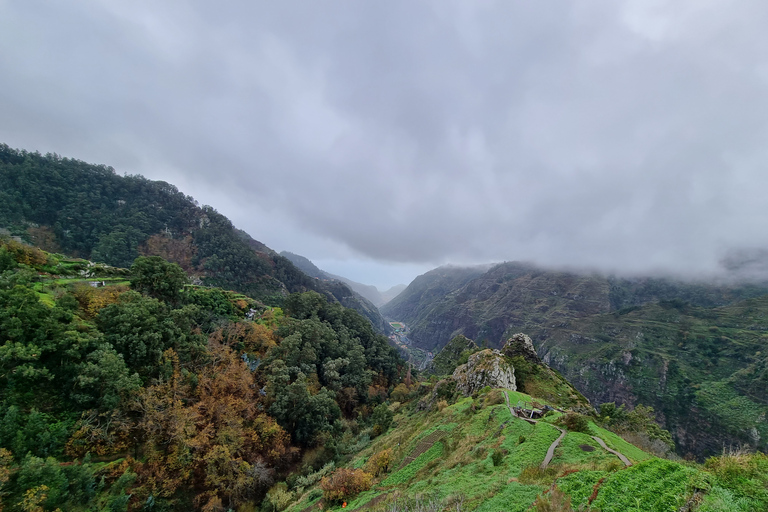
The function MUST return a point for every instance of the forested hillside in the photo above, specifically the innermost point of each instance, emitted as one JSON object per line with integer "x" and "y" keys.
{"x": 367, "y": 291}
{"x": 90, "y": 211}
{"x": 694, "y": 351}
{"x": 170, "y": 396}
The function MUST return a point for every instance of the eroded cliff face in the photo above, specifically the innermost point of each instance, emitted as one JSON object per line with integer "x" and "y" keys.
{"x": 702, "y": 416}
{"x": 485, "y": 368}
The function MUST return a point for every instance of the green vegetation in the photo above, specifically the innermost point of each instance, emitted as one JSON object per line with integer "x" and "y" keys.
{"x": 655, "y": 486}
{"x": 455, "y": 353}
{"x": 90, "y": 211}
{"x": 129, "y": 389}
{"x": 488, "y": 460}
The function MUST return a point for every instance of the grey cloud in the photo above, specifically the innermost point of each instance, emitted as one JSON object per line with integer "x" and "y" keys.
{"x": 623, "y": 135}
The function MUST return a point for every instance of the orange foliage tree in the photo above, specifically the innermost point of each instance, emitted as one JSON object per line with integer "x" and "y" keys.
{"x": 212, "y": 436}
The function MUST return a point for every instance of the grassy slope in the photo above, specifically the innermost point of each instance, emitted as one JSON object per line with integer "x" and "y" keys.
{"x": 460, "y": 466}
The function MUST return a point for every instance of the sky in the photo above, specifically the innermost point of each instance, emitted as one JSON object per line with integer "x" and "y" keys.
{"x": 382, "y": 139}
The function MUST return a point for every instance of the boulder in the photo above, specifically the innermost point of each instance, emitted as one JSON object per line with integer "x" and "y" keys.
{"x": 521, "y": 345}
{"x": 485, "y": 368}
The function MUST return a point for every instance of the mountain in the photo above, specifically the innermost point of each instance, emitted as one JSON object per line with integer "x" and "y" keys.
{"x": 129, "y": 389}
{"x": 369, "y": 292}
{"x": 305, "y": 265}
{"x": 89, "y": 211}
{"x": 393, "y": 292}
{"x": 693, "y": 351}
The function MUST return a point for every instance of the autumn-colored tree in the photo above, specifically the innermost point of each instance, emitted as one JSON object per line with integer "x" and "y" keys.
{"x": 345, "y": 483}
{"x": 212, "y": 437}
{"x": 379, "y": 462}
{"x": 6, "y": 459}
{"x": 180, "y": 251}
{"x": 92, "y": 300}
{"x": 250, "y": 337}
{"x": 100, "y": 434}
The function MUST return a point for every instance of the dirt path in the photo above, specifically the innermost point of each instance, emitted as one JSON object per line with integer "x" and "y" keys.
{"x": 551, "y": 450}
{"x": 619, "y": 455}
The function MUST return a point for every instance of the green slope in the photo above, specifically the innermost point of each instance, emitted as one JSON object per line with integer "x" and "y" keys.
{"x": 486, "y": 460}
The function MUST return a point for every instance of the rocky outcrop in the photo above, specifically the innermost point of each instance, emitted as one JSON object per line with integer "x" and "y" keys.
{"x": 521, "y": 345}
{"x": 485, "y": 368}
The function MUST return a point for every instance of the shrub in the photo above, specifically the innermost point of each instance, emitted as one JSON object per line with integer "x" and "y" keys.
{"x": 535, "y": 475}
{"x": 344, "y": 484}
{"x": 576, "y": 422}
{"x": 400, "y": 393}
{"x": 379, "y": 462}
{"x": 381, "y": 418}
{"x": 278, "y": 497}
{"x": 494, "y": 397}
{"x": 498, "y": 455}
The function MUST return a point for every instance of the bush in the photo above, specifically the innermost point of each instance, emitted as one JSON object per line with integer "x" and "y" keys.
{"x": 494, "y": 397}
{"x": 400, "y": 393}
{"x": 278, "y": 497}
{"x": 498, "y": 455}
{"x": 381, "y": 419}
{"x": 344, "y": 484}
{"x": 576, "y": 422}
{"x": 555, "y": 501}
{"x": 379, "y": 462}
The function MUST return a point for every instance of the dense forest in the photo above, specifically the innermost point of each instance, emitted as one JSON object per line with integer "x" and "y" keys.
{"x": 132, "y": 389}
{"x": 89, "y": 211}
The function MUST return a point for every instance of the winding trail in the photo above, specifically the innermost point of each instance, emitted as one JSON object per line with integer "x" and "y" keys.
{"x": 551, "y": 450}
{"x": 619, "y": 455}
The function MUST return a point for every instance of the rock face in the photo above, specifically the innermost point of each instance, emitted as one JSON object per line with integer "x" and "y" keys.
{"x": 485, "y": 368}
{"x": 521, "y": 345}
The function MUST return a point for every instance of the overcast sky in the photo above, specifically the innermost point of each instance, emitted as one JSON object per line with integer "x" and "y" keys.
{"x": 383, "y": 138}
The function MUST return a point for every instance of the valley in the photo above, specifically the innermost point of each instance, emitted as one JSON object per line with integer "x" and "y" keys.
{"x": 418, "y": 358}
{"x": 188, "y": 366}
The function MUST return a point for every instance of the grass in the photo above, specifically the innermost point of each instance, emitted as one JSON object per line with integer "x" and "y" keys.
{"x": 632, "y": 452}
{"x": 533, "y": 450}
{"x": 514, "y": 497}
{"x": 406, "y": 474}
{"x": 569, "y": 451}
{"x": 461, "y": 464}
{"x": 720, "y": 499}
{"x": 654, "y": 485}
{"x": 579, "y": 486}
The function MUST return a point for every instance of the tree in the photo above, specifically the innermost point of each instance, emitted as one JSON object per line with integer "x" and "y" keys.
{"x": 158, "y": 278}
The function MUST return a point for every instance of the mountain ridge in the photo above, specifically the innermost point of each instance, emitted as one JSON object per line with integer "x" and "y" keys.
{"x": 85, "y": 210}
